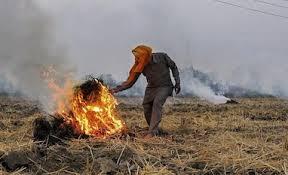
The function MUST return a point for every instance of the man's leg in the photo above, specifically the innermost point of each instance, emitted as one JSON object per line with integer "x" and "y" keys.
{"x": 148, "y": 103}
{"x": 148, "y": 111}
{"x": 162, "y": 94}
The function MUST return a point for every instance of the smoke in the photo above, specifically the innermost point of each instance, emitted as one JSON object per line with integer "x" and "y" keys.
{"x": 6, "y": 87}
{"x": 26, "y": 48}
{"x": 200, "y": 84}
{"x": 235, "y": 45}
{"x": 268, "y": 78}
{"x": 204, "y": 92}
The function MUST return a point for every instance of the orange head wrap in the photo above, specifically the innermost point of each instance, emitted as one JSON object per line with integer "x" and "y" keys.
{"x": 142, "y": 51}
{"x": 142, "y": 55}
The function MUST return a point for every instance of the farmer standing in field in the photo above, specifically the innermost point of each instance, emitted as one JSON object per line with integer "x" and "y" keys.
{"x": 156, "y": 68}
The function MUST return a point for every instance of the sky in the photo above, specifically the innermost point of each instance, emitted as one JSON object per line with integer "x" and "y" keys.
{"x": 98, "y": 35}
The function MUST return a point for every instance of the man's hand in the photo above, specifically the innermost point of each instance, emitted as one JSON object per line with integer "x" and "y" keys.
{"x": 114, "y": 90}
{"x": 127, "y": 84}
{"x": 177, "y": 88}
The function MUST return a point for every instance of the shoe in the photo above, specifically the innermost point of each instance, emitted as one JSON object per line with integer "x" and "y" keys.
{"x": 156, "y": 133}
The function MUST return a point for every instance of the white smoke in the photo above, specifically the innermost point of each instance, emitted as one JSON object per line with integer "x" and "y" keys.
{"x": 202, "y": 91}
{"x": 6, "y": 87}
{"x": 193, "y": 82}
{"x": 26, "y": 48}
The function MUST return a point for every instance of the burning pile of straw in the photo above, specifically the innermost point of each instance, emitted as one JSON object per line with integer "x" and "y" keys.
{"x": 88, "y": 109}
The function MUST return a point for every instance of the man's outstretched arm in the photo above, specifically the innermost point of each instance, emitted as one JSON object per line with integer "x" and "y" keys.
{"x": 175, "y": 73}
{"x": 133, "y": 77}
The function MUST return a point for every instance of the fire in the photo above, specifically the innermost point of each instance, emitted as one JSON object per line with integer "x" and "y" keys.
{"x": 96, "y": 116}
{"x": 92, "y": 113}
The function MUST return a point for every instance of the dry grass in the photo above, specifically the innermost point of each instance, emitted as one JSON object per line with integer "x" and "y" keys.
{"x": 201, "y": 138}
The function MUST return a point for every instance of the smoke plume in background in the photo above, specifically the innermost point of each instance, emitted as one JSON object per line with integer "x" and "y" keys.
{"x": 243, "y": 51}
{"x": 194, "y": 84}
{"x": 26, "y": 47}
{"x": 204, "y": 92}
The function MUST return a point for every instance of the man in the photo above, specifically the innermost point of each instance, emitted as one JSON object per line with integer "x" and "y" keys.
{"x": 156, "y": 68}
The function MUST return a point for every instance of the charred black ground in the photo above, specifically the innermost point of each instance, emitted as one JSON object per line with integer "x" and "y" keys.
{"x": 53, "y": 131}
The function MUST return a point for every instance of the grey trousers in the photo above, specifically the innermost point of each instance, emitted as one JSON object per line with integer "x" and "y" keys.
{"x": 153, "y": 102}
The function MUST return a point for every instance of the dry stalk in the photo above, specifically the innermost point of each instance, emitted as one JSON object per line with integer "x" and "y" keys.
{"x": 58, "y": 171}
{"x": 38, "y": 166}
{"x": 119, "y": 158}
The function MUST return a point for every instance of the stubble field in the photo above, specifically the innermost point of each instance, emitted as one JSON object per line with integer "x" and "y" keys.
{"x": 196, "y": 138}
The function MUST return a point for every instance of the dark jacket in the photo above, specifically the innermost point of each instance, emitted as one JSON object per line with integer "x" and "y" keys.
{"x": 157, "y": 71}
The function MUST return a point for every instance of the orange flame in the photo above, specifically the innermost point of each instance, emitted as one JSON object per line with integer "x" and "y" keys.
{"x": 95, "y": 116}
